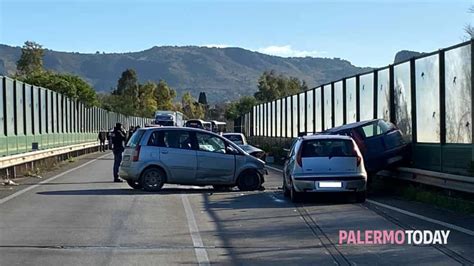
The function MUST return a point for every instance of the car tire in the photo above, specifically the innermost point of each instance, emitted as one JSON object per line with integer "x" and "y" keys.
{"x": 248, "y": 181}
{"x": 286, "y": 191}
{"x": 361, "y": 196}
{"x": 152, "y": 179}
{"x": 134, "y": 184}
{"x": 295, "y": 196}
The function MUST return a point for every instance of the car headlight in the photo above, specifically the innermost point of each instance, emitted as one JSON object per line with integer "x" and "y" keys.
{"x": 258, "y": 154}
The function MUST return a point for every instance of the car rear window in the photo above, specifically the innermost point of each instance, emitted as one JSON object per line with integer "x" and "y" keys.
{"x": 235, "y": 139}
{"x": 327, "y": 148}
{"x": 135, "y": 139}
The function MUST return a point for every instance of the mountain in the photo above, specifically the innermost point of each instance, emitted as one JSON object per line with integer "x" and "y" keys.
{"x": 223, "y": 73}
{"x": 405, "y": 55}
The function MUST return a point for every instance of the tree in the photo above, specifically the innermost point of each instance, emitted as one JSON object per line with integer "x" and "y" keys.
{"x": 191, "y": 109}
{"x": 31, "y": 60}
{"x": 272, "y": 86}
{"x": 147, "y": 104}
{"x": 69, "y": 85}
{"x": 202, "y": 98}
{"x": 240, "y": 107}
{"x": 128, "y": 83}
{"x": 164, "y": 95}
{"x": 470, "y": 28}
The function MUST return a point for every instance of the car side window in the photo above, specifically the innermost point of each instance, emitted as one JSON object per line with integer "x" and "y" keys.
{"x": 154, "y": 139}
{"x": 177, "y": 139}
{"x": 171, "y": 139}
{"x": 210, "y": 143}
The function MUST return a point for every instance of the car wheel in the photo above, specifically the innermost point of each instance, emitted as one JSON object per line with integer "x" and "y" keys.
{"x": 134, "y": 184}
{"x": 248, "y": 181}
{"x": 295, "y": 196}
{"x": 361, "y": 196}
{"x": 152, "y": 179}
{"x": 286, "y": 191}
{"x": 222, "y": 187}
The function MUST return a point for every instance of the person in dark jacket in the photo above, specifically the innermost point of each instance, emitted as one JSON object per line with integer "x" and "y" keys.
{"x": 118, "y": 138}
{"x": 102, "y": 137}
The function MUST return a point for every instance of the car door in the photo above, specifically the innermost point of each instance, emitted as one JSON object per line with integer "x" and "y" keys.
{"x": 214, "y": 164}
{"x": 178, "y": 155}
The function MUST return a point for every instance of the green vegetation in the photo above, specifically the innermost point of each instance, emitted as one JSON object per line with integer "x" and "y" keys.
{"x": 191, "y": 108}
{"x": 272, "y": 86}
{"x": 240, "y": 107}
{"x": 438, "y": 199}
{"x": 30, "y": 70}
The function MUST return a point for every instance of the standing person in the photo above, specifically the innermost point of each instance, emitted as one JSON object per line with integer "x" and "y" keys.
{"x": 102, "y": 137}
{"x": 118, "y": 138}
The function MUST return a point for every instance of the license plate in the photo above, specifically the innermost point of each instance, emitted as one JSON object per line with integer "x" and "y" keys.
{"x": 330, "y": 184}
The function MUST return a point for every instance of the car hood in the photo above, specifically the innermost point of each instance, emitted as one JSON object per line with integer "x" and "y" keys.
{"x": 249, "y": 148}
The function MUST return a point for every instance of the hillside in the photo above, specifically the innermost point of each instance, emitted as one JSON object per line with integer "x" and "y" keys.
{"x": 223, "y": 73}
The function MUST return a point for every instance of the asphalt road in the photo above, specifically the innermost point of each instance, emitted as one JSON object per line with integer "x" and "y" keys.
{"x": 81, "y": 218}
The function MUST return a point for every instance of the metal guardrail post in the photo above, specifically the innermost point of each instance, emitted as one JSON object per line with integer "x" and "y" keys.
{"x": 333, "y": 113}
{"x": 442, "y": 106}
{"x": 472, "y": 101}
{"x": 375, "y": 94}
{"x": 323, "y": 115}
{"x": 357, "y": 98}
{"x": 344, "y": 103}
{"x": 413, "y": 100}
{"x": 391, "y": 93}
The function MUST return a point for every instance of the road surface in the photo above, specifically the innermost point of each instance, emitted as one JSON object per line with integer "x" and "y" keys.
{"x": 80, "y": 217}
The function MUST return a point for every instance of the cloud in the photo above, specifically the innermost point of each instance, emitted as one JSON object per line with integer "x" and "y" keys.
{"x": 217, "y": 45}
{"x": 288, "y": 51}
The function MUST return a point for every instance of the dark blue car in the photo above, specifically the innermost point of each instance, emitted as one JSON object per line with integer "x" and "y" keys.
{"x": 381, "y": 143}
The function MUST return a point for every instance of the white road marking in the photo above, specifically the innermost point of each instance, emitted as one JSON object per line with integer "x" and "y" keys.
{"x": 16, "y": 194}
{"x": 199, "y": 249}
{"x": 418, "y": 216}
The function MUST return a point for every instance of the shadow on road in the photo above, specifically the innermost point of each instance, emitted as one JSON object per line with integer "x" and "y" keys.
{"x": 128, "y": 191}
{"x": 69, "y": 183}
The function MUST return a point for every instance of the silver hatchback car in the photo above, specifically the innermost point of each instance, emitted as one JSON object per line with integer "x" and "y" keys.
{"x": 324, "y": 163}
{"x": 188, "y": 156}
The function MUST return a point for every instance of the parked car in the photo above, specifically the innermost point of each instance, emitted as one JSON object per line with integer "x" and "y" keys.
{"x": 188, "y": 156}
{"x": 324, "y": 163}
{"x": 381, "y": 143}
{"x": 239, "y": 139}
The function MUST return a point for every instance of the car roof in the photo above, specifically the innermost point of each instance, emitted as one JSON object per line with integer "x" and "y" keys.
{"x": 352, "y": 125}
{"x": 177, "y": 128}
{"x": 316, "y": 137}
{"x": 233, "y": 133}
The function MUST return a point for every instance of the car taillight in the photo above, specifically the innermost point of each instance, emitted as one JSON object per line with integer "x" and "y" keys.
{"x": 299, "y": 160}
{"x": 359, "y": 159}
{"x": 136, "y": 154}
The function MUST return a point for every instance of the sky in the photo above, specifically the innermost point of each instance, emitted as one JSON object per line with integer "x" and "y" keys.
{"x": 367, "y": 33}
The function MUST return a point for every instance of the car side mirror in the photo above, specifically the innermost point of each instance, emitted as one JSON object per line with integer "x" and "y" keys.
{"x": 231, "y": 150}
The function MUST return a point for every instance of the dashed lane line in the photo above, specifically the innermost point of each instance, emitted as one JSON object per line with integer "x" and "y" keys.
{"x": 199, "y": 248}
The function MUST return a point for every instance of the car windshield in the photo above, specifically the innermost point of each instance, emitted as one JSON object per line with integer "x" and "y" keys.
{"x": 237, "y": 139}
{"x": 327, "y": 148}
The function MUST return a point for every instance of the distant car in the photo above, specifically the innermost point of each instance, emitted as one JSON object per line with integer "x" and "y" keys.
{"x": 239, "y": 139}
{"x": 324, "y": 163}
{"x": 188, "y": 156}
{"x": 381, "y": 143}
